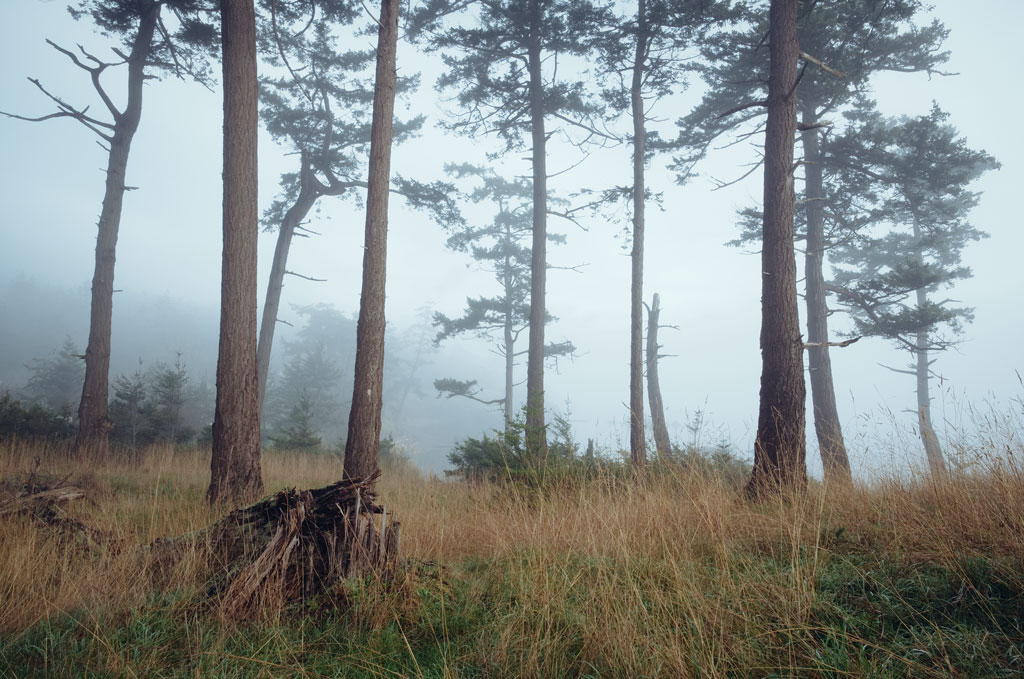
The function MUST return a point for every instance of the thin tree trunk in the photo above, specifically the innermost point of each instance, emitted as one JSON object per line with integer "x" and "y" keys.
{"x": 235, "y": 474}
{"x": 637, "y": 440}
{"x": 780, "y": 448}
{"x": 932, "y": 448}
{"x": 536, "y": 433}
{"x": 509, "y": 338}
{"x": 94, "y": 424}
{"x": 304, "y": 202}
{"x": 361, "y": 447}
{"x": 661, "y": 441}
{"x": 834, "y": 459}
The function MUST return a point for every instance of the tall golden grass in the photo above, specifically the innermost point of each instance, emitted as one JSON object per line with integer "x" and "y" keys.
{"x": 651, "y": 581}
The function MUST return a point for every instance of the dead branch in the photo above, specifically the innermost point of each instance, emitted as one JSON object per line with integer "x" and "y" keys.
{"x": 844, "y": 343}
{"x": 820, "y": 64}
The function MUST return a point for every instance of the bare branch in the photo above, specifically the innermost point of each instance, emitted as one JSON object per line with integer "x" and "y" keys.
{"x": 844, "y": 343}
{"x": 820, "y": 64}
{"x": 308, "y": 278}
{"x": 743, "y": 107}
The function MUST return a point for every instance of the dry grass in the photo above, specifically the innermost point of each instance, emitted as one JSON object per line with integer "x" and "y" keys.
{"x": 589, "y": 578}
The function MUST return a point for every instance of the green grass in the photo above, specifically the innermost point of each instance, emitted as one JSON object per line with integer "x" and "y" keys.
{"x": 594, "y": 580}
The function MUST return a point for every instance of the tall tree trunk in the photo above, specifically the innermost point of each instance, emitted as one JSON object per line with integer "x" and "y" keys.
{"x": 509, "y": 331}
{"x": 932, "y": 449}
{"x": 361, "y": 447}
{"x": 834, "y": 459}
{"x": 94, "y": 424}
{"x": 780, "y": 448}
{"x": 235, "y": 474}
{"x": 661, "y": 441}
{"x": 304, "y": 202}
{"x": 536, "y": 433}
{"x": 637, "y": 440}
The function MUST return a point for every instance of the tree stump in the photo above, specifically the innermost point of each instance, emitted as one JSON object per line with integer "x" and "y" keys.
{"x": 296, "y": 544}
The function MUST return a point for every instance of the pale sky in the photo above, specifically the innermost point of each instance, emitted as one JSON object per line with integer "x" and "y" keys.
{"x": 51, "y": 189}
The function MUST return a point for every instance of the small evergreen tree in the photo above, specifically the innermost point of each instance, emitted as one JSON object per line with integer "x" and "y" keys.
{"x": 128, "y": 408}
{"x": 56, "y": 382}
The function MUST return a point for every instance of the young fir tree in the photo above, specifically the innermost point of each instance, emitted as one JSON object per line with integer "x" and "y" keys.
{"x": 128, "y": 408}
{"x": 56, "y": 382}
{"x": 843, "y": 44}
{"x": 502, "y": 65}
{"x": 167, "y": 397}
{"x": 500, "y": 247}
{"x": 148, "y": 47}
{"x": 888, "y": 276}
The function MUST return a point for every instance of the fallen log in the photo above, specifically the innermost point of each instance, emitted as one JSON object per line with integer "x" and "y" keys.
{"x": 34, "y": 502}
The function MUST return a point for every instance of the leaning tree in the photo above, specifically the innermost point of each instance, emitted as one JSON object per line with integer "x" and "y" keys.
{"x": 318, "y": 105}
{"x": 153, "y": 41}
{"x": 889, "y": 274}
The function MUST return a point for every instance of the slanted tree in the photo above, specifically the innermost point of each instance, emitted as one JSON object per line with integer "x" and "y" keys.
{"x": 320, "y": 110}
{"x": 503, "y": 67}
{"x": 148, "y": 47}
{"x": 843, "y": 44}
{"x": 888, "y": 276}
{"x": 500, "y": 248}
{"x": 361, "y": 457}
{"x": 235, "y": 470}
{"x": 648, "y": 55}
{"x": 662, "y": 443}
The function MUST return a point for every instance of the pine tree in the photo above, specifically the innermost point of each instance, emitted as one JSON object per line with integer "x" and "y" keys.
{"x": 499, "y": 247}
{"x": 843, "y": 44}
{"x": 502, "y": 67}
{"x": 235, "y": 469}
{"x": 915, "y": 227}
{"x": 148, "y": 47}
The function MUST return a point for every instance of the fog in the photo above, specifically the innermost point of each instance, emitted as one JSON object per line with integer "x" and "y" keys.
{"x": 169, "y": 252}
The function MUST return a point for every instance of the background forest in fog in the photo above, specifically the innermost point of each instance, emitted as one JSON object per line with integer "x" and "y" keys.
{"x": 165, "y": 313}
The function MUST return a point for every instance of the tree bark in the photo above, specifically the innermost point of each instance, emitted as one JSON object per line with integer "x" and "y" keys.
{"x": 536, "y": 433}
{"x": 235, "y": 474}
{"x": 94, "y": 424}
{"x": 305, "y": 201}
{"x": 361, "y": 447}
{"x": 637, "y": 440}
{"x": 661, "y": 441}
{"x": 780, "y": 448}
{"x": 834, "y": 460}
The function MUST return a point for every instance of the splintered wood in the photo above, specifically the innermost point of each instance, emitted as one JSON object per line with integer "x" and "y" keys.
{"x": 297, "y": 544}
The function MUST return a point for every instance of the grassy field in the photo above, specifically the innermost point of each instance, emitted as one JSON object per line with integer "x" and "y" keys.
{"x": 578, "y": 579}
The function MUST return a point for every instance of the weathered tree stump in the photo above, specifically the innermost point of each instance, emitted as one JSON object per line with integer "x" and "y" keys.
{"x": 295, "y": 545}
